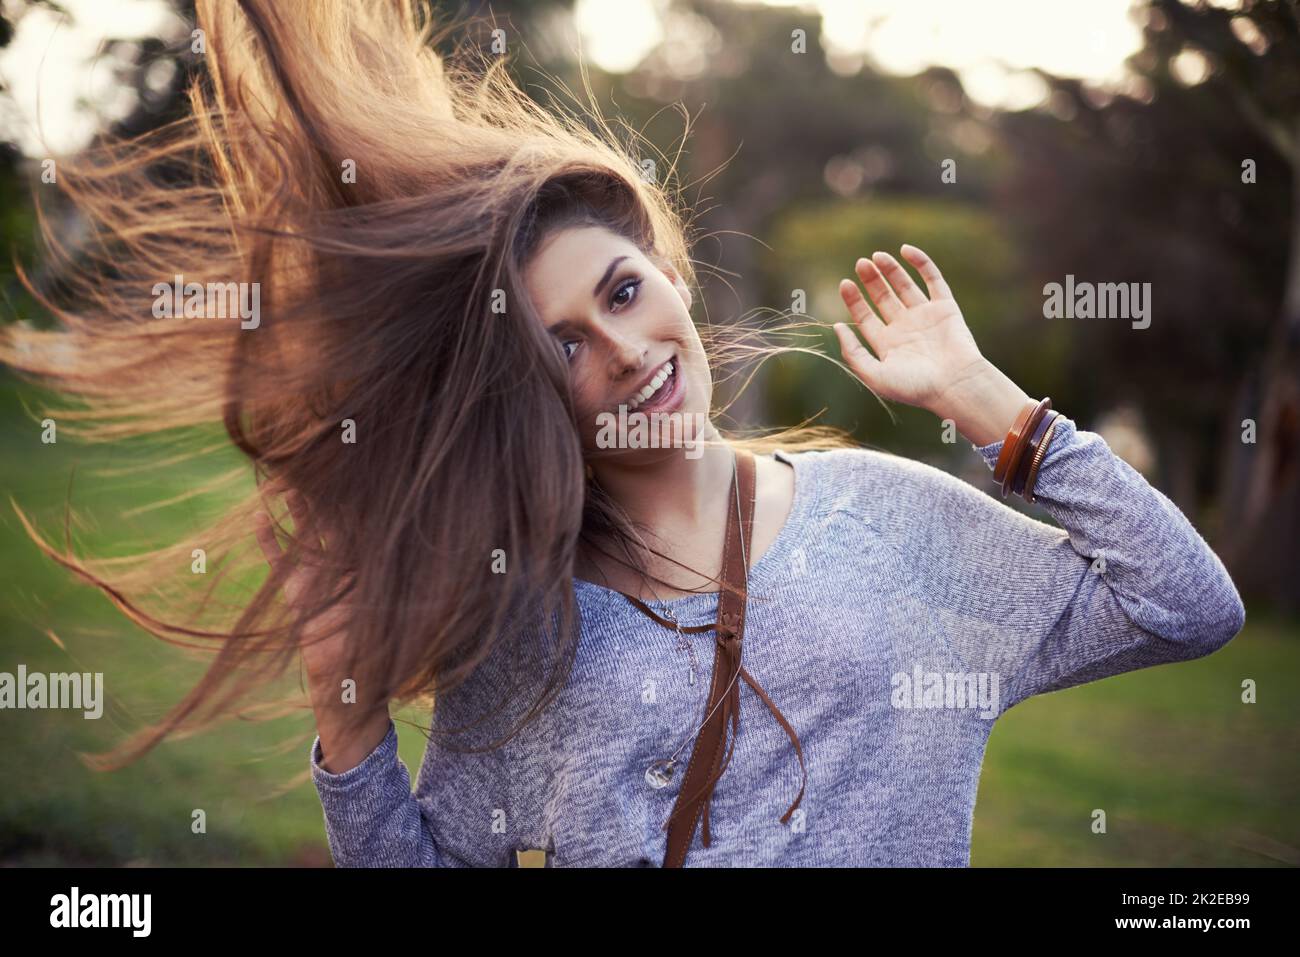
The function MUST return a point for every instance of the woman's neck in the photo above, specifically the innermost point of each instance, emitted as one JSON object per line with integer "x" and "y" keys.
{"x": 683, "y": 505}
{"x": 673, "y": 490}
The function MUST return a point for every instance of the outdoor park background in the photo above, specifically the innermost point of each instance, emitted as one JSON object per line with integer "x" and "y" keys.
{"x": 1088, "y": 139}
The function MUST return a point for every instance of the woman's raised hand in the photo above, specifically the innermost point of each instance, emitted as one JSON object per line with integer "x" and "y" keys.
{"x": 922, "y": 348}
{"x": 322, "y": 651}
{"x": 346, "y": 738}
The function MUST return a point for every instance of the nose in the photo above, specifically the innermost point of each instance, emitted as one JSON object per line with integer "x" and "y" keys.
{"x": 626, "y": 363}
{"x": 627, "y": 352}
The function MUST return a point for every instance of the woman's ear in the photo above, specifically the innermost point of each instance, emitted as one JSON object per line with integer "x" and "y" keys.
{"x": 675, "y": 278}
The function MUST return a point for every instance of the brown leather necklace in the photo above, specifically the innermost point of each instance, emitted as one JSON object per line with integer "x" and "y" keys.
{"x": 707, "y": 762}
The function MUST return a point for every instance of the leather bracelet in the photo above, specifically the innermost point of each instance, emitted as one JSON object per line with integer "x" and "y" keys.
{"x": 1031, "y": 448}
{"x": 1008, "y": 444}
{"x": 1038, "y": 459}
{"x": 1020, "y": 441}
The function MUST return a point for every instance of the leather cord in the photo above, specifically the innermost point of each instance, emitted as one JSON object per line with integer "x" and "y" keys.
{"x": 708, "y": 762}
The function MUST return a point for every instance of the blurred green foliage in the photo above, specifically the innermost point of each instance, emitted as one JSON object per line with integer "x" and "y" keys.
{"x": 814, "y": 247}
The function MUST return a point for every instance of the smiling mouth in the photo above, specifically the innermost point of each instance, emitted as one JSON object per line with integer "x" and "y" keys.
{"x": 664, "y": 390}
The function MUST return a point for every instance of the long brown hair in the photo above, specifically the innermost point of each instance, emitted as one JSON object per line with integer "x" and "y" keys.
{"x": 383, "y": 199}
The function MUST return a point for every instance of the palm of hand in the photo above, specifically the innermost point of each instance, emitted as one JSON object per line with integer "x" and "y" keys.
{"x": 921, "y": 345}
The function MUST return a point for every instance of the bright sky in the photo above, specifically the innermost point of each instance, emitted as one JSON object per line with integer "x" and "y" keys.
{"x": 990, "y": 43}
{"x": 62, "y": 57}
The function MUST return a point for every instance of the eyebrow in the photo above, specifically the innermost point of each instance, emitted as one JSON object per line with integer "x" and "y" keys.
{"x": 609, "y": 271}
{"x": 595, "y": 292}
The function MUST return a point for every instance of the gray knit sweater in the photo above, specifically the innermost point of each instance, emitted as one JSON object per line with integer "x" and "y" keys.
{"x": 897, "y": 614}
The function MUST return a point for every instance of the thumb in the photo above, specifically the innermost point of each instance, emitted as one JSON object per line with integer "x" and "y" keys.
{"x": 857, "y": 357}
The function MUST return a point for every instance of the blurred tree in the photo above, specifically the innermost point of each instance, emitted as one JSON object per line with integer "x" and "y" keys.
{"x": 156, "y": 71}
{"x": 1150, "y": 187}
{"x": 813, "y": 248}
{"x": 1254, "y": 53}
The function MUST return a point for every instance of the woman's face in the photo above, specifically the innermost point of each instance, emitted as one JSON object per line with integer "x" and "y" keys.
{"x": 620, "y": 320}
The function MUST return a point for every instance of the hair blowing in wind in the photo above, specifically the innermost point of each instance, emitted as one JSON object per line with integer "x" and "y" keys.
{"x": 376, "y": 299}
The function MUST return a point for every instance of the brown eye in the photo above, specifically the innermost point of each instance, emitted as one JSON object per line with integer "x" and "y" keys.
{"x": 630, "y": 287}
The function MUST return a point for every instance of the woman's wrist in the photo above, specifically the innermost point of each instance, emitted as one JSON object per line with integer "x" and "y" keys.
{"x": 344, "y": 746}
{"x": 982, "y": 403}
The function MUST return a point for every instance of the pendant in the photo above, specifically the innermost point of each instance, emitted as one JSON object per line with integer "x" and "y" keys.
{"x": 659, "y": 774}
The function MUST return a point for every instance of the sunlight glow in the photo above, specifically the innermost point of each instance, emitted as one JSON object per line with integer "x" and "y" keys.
{"x": 79, "y": 89}
{"x": 993, "y": 46}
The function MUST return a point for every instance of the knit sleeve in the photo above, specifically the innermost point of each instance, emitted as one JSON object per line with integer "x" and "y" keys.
{"x": 371, "y": 817}
{"x": 1124, "y": 583}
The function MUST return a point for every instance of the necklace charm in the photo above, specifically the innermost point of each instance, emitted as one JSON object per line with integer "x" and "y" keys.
{"x": 682, "y": 643}
{"x": 659, "y": 774}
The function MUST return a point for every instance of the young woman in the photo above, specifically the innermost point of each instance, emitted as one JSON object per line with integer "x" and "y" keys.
{"x": 459, "y": 290}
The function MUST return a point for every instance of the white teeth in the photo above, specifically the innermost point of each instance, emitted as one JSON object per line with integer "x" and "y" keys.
{"x": 651, "y": 387}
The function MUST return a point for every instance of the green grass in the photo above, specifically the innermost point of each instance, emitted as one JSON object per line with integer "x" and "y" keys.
{"x": 1186, "y": 773}
{"x": 53, "y": 808}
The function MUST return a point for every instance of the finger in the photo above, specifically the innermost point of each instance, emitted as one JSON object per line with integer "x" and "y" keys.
{"x": 872, "y": 328}
{"x": 302, "y": 519}
{"x": 908, "y": 291}
{"x": 857, "y": 357}
{"x": 266, "y": 538}
{"x": 880, "y": 291}
{"x": 297, "y": 509}
{"x": 934, "y": 281}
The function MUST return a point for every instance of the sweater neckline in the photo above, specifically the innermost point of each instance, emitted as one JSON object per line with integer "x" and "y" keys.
{"x": 787, "y": 540}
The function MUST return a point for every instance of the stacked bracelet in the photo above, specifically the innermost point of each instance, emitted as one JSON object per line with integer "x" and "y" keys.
{"x": 1024, "y": 448}
{"x": 1039, "y": 455}
{"x": 1018, "y": 440}
{"x": 1006, "y": 458}
{"x": 1032, "y": 447}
